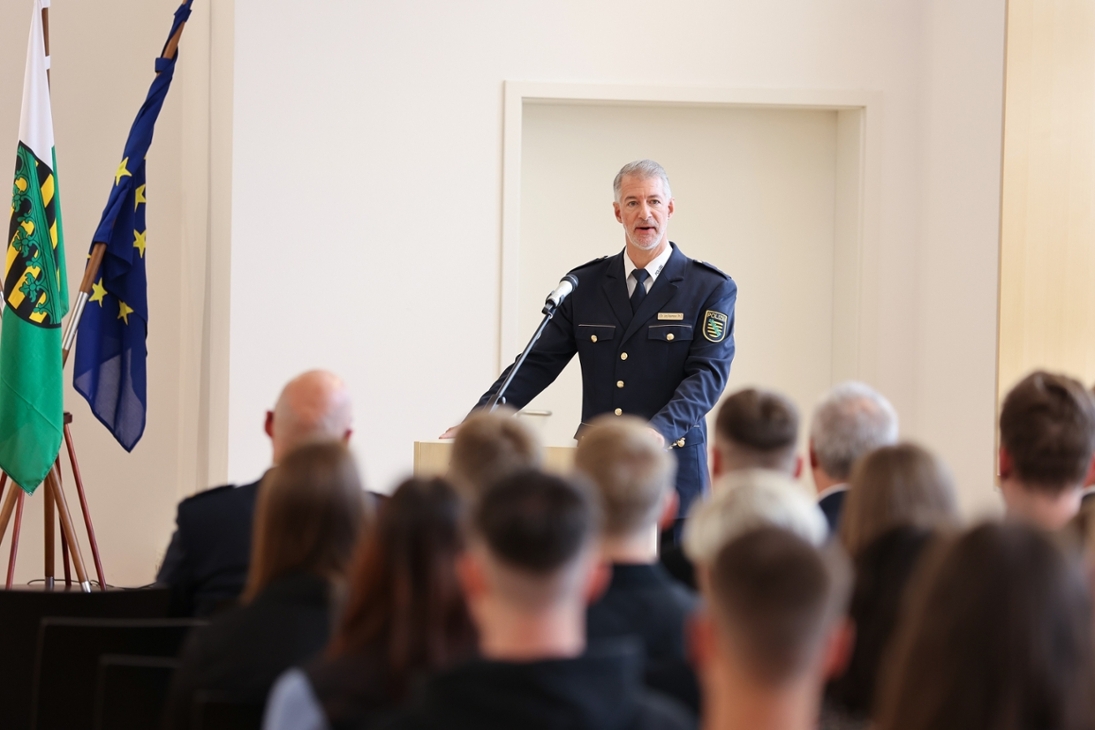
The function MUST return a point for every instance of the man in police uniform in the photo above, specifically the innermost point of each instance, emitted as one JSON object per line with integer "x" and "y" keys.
{"x": 654, "y": 331}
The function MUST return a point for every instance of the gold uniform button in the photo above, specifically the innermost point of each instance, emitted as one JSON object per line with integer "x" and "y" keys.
{"x": 619, "y": 383}
{"x": 619, "y": 411}
{"x": 623, "y": 355}
{"x": 593, "y": 338}
{"x": 669, "y": 337}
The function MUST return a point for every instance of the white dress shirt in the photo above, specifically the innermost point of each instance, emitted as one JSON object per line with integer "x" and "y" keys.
{"x": 653, "y": 268}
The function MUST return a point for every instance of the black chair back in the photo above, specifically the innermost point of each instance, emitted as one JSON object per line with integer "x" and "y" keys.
{"x": 20, "y": 612}
{"x": 67, "y": 662}
{"x": 131, "y": 691}
{"x": 217, "y": 711}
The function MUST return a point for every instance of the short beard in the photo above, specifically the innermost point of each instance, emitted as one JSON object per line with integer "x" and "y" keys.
{"x": 640, "y": 246}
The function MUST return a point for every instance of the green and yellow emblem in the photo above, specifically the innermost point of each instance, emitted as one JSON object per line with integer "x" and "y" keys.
{"x": 714, "y": 325}
{"x": 32, "y": 272}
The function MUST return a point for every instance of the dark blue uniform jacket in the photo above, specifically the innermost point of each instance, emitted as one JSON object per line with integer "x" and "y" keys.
{"x": 668, "y": 363}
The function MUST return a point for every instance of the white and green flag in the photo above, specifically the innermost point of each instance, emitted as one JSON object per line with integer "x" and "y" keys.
{"x": 35, "y": 286}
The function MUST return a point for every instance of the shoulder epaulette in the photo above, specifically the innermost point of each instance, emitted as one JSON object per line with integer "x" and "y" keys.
{"x": 714, "y": 268}
{"x": 207, "y": 492}
{"x": 590, "y": 263}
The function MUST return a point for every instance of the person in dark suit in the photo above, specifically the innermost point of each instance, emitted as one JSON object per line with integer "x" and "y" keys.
{"x": 530, "y": 566}
{"x": 207, "y": 560}
{"x": 310, "y": 513}
{"x": 633, "y": 476}
{"x": 852, "y": 420}
{"x": 654, "y": 331}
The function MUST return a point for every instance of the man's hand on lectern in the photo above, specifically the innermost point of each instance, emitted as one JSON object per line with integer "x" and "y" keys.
{"x": 451, "y": 433}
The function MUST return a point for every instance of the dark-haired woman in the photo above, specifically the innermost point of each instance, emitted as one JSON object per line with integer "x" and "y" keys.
{"x": 998, "y": 636}
{"x": 311, "y": 512}
{"x": 405, "y": 617}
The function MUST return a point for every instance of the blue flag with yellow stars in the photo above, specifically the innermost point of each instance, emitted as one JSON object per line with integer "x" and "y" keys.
{"x": 110, "y": 347}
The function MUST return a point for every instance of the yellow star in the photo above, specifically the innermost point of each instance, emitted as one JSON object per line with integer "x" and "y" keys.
{"x": 124, "y": 310}
{"x": 138, "y": 241}
{"x": 140, "y": 197}
{"x": 122, "y": 172}
{"x": 98, "y": 291}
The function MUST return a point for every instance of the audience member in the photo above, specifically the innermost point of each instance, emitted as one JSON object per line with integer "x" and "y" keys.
{"x": 850, "y": 421}
{"x": 756, "y": 429}
{"x": 773, "y": 632}
{"x": 404, "y": 618}
{"x": 633, "y": 476}
{"x": 768, "y": 499}
{"x": 491, "y": 445}
{"x": 998, "y": 635}
{"x": 1047, "y": 440}
{"x": 883, "y": 570}
{"x": 529, "y": 569}
{"x": 207, "y": 560}
{"x": 756, "y": 433}
{"x": 310, "y": 513}
{"x": 893, "y": 486}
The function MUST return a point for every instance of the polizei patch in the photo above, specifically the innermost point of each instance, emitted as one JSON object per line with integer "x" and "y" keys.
{"x": 714, "y": 325}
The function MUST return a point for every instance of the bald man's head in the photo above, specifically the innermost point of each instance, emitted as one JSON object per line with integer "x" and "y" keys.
{"x": 314, "y": 406}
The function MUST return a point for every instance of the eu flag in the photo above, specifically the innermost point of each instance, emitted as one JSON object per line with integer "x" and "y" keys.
{"x": 110, "y": 348}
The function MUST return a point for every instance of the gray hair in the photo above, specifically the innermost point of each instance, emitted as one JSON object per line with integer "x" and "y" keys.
{"x": 851, "y": 420}
{"x": 746, "y": 501}
{"x": 643, "y": 169}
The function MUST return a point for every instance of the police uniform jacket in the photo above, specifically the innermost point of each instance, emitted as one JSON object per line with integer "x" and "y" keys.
{"x": 667, "y": 363}
{"x": 210, "y": 552}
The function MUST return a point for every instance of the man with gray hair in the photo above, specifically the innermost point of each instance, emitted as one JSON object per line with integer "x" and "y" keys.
{"x": 210, "y": 552}
{"x": 654, "y": 331}
{"x": 851, "y": 420}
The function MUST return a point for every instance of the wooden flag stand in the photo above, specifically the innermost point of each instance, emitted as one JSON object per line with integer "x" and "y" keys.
{"x": 54, "y": 498}
{"x": 54, "y": 494}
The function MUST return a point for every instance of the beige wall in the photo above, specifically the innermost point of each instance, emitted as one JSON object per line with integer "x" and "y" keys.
{"x": 1047, "y": 264}
{"x": 103, "y": 57}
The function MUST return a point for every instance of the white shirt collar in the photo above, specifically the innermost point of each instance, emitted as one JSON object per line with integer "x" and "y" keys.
{"x": 835, "y": 489}
{"x": 653, "y": 268}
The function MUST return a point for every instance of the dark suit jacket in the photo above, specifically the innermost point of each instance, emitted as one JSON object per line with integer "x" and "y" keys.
{"x": 241, "y": 652}
{"x": 667, "y": 363}
{"x": 833, "y": 505}
{"x": 643, "y": 602}
{"x": 207, "y": 560}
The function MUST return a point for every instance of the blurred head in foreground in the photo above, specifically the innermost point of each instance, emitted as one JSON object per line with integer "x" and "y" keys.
{"x": 490, "y": 446}
{"x": 998, "y": 634}
{"x": 632, "y": 476}
{"x": 774, "y": 630}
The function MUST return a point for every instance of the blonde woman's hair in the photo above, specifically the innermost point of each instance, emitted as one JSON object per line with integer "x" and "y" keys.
{"x": 894, "y": 486}
{"x": 311, "y": 511}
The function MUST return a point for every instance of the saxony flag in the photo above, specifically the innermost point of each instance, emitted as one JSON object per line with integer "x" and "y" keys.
{"x": 35, "y": 287}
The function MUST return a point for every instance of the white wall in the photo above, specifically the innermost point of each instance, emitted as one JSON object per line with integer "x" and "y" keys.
{"x": 367, "y": 191}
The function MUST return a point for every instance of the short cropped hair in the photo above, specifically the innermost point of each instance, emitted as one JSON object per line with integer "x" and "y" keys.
{"x": 746, "y": 501}
{"x": 631, "y": 472}
{"x": 758, "y": 429}
{"x": 775, "y": 597}
{"x": 1047, "y": 426}
{"x": 892, "y": 486}
{"x": 644, "y": 170}
{"x": 490, "y": 446}
{"x": 851, "y": 420}
{"x": 535, "y": 523}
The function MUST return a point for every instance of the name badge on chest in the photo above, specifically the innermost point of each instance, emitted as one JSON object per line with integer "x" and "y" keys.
{"x": 676, "y": 316}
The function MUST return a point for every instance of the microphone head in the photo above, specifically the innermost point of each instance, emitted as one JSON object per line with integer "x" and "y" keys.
{"x": 572, "y": 279}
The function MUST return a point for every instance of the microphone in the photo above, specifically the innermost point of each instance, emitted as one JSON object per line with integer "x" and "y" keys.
{"x": 568, "y": 284}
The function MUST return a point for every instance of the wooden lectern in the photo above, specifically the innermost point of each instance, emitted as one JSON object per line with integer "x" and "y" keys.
{"x": 431, "y": 458}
